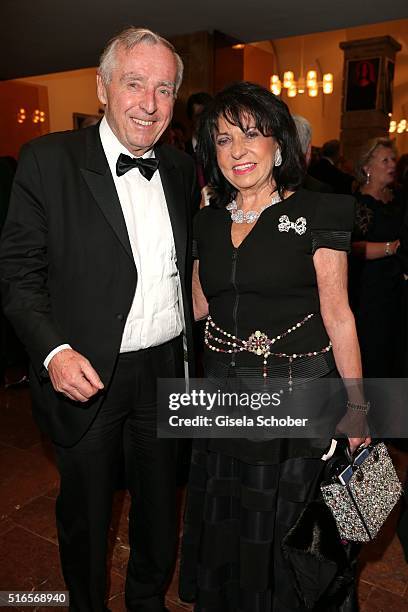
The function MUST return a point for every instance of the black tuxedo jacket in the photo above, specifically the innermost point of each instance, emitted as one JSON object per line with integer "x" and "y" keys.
{"x": 67, "y": 270}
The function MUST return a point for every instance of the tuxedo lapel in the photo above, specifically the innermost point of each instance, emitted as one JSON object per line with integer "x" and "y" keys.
{"x": 99, "y": 180}
{"x": 173, "y": 187}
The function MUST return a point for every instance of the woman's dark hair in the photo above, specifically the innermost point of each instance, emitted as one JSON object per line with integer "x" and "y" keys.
{"x": 235, "y": 104}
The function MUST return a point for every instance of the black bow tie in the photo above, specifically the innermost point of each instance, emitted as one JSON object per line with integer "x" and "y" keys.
{"x": 147, "y": 167}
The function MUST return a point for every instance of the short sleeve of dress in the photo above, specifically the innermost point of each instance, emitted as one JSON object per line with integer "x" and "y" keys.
{"x": 333, "y": 222}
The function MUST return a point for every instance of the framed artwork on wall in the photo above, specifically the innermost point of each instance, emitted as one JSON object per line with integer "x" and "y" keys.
{"x": 362, "y": 84}
{"x": 80, "y": 120}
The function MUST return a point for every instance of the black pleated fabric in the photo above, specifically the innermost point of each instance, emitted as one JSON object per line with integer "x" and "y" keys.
{"x": 337, "y": 240}
{"x": 236, "y": 517}
{"x": 273, "y": 451}
{"x": 195, "y": 250}
{"x": 307, "y": 368}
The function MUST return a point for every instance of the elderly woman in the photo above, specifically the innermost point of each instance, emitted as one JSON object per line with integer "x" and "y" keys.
{"x": 270, "y": 257}
{"x": 377, "y": 273}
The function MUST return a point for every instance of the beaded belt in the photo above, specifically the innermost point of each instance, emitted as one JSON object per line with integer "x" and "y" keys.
{"x": 257, "y": 343}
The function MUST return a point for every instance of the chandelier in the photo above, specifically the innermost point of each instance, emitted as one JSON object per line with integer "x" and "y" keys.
{"x": 399, "y": 127}
{"x": 299, "y": 86}
{"x": 37, "y": 116}
{"x": 302, "y": 84}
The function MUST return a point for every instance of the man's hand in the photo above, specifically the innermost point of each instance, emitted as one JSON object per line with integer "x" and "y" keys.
{"x": 72, "y": 374}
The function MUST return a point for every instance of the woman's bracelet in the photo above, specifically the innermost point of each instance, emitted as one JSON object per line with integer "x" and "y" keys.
{"x": 364, "y": 408}
{"x": 387, "y": 248}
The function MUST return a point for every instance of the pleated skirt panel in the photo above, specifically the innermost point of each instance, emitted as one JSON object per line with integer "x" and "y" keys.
{"x": 236, "y": 516}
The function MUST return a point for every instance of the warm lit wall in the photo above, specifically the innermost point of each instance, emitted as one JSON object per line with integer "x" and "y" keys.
{"x": 74, "y": 91}
{"x": 68, "y": 92}
{"x": 322, "y": 50}
{"x": 258, "y": 63}
{"x": 228, "y": 66}
{"x": 16, "y": 96}
{"x": 399, "y": 31}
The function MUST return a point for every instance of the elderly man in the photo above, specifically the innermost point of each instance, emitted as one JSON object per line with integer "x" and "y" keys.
{"x": 304, "y": 130}
{"x": 95, "y": 267}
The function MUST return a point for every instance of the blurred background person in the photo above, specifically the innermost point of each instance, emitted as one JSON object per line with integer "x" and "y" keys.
{"x": 401, "y": 175}
{"x": 8, "y": 166}
{"x": 304, "y": 130}
{"x": 13, "y": 358}
{"x": 90, "y": 120}
{"x": 175, "y": 135}
{"x": 196, "y": 105}
{"x": 377, "y": 281}
{"x": 7, "y": 169}
{"x": 178, "y": 132}
{"x": 327, "y": 171}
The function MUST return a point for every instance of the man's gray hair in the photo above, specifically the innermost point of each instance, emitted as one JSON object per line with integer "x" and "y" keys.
{"x": 304, "y": 130}
{"x": 129, "y": 38}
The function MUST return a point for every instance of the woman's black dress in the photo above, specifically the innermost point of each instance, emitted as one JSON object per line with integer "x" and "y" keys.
{"x": 377, "y": 289}
{"x": 244, "y": 495}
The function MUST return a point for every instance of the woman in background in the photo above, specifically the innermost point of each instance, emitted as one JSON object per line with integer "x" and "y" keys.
{"x": 377, "y": 282}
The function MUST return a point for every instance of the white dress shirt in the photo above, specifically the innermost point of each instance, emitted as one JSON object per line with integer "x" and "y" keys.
{"x": 156, "y": 312}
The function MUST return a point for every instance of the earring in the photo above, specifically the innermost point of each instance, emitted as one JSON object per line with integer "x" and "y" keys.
{"x": 278, "y": 157}
{"x": 368, "y": 178}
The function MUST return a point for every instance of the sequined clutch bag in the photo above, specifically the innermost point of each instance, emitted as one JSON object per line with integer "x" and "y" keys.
{"x": 361, "y": 506}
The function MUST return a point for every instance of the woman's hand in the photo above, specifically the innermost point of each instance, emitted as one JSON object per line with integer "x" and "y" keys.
{"x": 374, "y": 250}
{"x": 354, "y": 426}
{"x": 354, "y": 443}
{"x": 394, "y": 246}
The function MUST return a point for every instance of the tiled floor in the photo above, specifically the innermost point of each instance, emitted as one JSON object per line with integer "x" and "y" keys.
{"x": 28, "y": 546}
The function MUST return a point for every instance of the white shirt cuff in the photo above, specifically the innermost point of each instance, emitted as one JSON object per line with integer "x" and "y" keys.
{"x": 54, "y": 352}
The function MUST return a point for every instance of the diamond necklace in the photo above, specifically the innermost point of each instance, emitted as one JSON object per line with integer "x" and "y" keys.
{"x": 239, "y": 216}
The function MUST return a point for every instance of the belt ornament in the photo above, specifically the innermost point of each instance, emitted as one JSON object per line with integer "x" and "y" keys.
{"x": 220, "y": 341}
